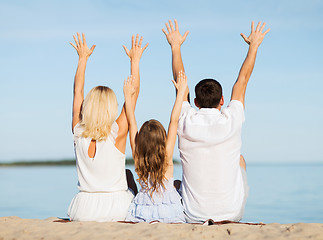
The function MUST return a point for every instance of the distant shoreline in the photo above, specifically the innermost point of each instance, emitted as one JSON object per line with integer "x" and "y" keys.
{"x": 67, "y": 162}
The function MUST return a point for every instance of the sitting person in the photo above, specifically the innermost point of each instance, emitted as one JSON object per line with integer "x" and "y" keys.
{"x": 214, "y": 184}
{"x": 99, "y": 143}
{"x": 152, "y": 151}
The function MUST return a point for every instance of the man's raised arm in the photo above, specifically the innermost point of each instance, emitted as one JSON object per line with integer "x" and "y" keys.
{"x": 254, "y": 40}
{"x": 175, "y": 40}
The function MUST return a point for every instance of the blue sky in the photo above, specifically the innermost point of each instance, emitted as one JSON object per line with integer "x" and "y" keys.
{"x": 284, "y": 106}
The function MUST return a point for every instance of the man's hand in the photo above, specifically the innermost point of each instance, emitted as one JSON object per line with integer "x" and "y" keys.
{"x": 82, "y": 49}
{"x": 174, "y": 38}
{"x": 256, "y": 36}
{"x": 136, "y": 50}
{"x": 254, "y": 40}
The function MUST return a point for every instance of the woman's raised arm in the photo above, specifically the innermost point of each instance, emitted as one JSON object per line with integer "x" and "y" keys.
{"x": 84, "y": 53}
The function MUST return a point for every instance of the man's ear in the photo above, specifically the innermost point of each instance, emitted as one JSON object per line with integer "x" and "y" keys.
{"x": 221, "y": 101}
{"x": 196, "y": 103}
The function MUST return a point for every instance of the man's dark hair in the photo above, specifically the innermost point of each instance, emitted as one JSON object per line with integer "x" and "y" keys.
{"x": 208, "y": 93}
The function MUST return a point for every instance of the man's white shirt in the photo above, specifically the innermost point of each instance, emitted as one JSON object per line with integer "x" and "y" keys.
{"x": 209, "y": 142}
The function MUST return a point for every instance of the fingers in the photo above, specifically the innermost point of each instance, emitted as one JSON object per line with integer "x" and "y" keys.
{"x": 185, "y": 34}
{"x": 140, "y": 42}
{"x": 266, "y": 31}
{"x": 126, "y": 49}
{"x": 127, "y": 81}
{"x": 137, "y": 38}
{"x": 168, "y": 29}
{"x": 176, "y": 25}
{"x": 262, "y": 27}
{"x": 171, "y": 25}
{"x": 145, "y": 47}
{"x": 73, "y": 45}
{"x": 84, "y": 40}
{"x": 135, "y": 46}
{"x": 77, "y": 43}
{"x": 181, "y": 77}
{"x": 92, "y": 48}
{"x": 175, "y": 85}
{"x": 258, "y": 26}
{"x": 244, "y": 37}
{"x": 181, "y": 84}
{"x": 164, "y": 32}
{"x": 252, "y": 26}
{"x": 129, "y": 84}
{"x": 79, "y": 38}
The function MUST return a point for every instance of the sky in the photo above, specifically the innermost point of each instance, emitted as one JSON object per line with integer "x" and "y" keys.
{"x": 284, "y": 105}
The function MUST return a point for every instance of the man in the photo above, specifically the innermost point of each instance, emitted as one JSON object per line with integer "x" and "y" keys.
{"x": 214, "y": 184}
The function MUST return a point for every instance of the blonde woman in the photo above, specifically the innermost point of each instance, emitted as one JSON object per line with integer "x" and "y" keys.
{"x": 100, "y": 142}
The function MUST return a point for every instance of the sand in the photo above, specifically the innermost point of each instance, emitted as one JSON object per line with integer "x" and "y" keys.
{"x": 18, "y": 228}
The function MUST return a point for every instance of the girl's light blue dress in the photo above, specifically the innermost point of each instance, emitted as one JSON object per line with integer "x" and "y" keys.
{"x": 164, "y": 206}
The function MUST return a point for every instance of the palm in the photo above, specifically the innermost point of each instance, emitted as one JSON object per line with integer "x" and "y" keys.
{"x": 256, "y": 36}
{"x": 136, "y": 49}
{"x": 81, "y": 47}
{"x": 173, "y": 35}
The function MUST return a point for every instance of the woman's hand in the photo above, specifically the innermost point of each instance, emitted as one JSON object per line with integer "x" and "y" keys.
{"x": 81, "y": 48}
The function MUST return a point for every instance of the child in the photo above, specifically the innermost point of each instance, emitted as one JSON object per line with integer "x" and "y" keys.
{"x": 99, "y": 143}
{"x": 152, "y": 151}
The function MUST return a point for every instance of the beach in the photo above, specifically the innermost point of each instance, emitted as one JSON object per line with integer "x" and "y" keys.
{"x": 52, "y": 228}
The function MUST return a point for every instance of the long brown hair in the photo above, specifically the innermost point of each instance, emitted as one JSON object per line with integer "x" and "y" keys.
{"x": 150, "y": 155}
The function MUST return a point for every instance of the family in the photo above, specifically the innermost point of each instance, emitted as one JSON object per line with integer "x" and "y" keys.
{"x": 214, "y": 183}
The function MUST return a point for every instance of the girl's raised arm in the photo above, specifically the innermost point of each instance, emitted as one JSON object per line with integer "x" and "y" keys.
{"x": 84, "y": 53}
{"x": 129, "y": 89}
{"x": 182, "y": 89}
{"x": 134, "y": 54}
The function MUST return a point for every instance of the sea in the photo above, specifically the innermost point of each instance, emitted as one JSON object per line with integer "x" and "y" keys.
{"x": 281, "y": 193}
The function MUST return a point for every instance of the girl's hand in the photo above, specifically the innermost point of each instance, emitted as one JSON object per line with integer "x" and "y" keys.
{"x": 181, "y": 84}
{"x": 81, "y": 48}
{"x": 136, "y": 50}
{"x": 129, "y": 88}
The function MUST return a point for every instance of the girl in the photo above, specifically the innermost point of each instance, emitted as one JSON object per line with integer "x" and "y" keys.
{"x": 152, "y": 151}
{"x": 99, "y": 143}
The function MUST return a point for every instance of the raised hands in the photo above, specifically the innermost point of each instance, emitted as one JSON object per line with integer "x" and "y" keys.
{"x": 181, "y": 84}
{"x": 136, "y": 50}
{"x": 254, "y": 40}
{"x": 256, "y": 36}
{"x": 173, "y": 36}
{"x": 129, "y": 88}
{"x": 81, "y": 47}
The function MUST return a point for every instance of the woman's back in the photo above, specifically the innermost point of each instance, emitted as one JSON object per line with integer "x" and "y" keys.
{"x": 105, "y": 172}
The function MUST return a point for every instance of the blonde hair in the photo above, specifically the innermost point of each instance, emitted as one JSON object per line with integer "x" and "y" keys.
{"x": 99, "y": 111}
{"x": 150, "y": 155}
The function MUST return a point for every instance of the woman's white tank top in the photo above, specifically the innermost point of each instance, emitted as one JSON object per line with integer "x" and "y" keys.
{"x": 106, "y": 171}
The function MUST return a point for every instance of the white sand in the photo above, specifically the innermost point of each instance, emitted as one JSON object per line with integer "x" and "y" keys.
{"x": 18, "y": 228}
